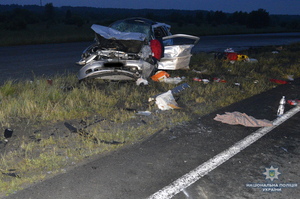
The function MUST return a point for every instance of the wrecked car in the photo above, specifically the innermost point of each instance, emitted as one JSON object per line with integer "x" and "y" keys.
{"x": 122, "y": 51}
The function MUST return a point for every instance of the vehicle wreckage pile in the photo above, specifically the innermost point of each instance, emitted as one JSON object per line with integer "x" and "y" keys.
{"x": 134, "y": 48}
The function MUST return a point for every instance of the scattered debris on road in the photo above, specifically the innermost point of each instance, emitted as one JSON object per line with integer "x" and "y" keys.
{"x": 232, "y": 56}
{"x": 162, "y": 76}
{"x": 166, "y": 101}
{"x": 8, "y": 133}
{"x": 10, "y": 174}
{"x": 277, "y": 81}
{"x": 144, "y": 113}
{"x": 236, "y": 118}
{"x": 141, "y": 81}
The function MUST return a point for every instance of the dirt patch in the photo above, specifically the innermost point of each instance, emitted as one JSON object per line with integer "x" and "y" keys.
{"x": 30, "y": 140}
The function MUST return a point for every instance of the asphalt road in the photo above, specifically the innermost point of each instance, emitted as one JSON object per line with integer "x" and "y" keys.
{"x": 241, "y": 42}
{"x": 25, "y": 62}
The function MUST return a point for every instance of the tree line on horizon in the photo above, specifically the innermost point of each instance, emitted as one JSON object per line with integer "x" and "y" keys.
{"x": 17, "y": 17}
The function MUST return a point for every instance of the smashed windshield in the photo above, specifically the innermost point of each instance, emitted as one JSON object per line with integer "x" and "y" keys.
{"x": 137, "y": 26}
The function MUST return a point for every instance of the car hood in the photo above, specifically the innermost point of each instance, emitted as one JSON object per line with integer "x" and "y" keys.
{"x": 109, "y": 38}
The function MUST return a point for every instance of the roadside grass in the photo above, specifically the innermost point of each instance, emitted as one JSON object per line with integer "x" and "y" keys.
{"x": 107, "y": 112}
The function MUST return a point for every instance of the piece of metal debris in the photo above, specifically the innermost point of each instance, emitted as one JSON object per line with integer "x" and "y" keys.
{"x": 10, "y": 174}
{"x": 175, "y": 90}
{"x": 145, "y": 113}
{"x": 8, "y": 133}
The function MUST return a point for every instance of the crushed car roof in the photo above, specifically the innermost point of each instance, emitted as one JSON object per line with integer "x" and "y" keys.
{"x": 144, "y": 20}
{"x": 110, "y": 33}
{"x": 136, "y": 28}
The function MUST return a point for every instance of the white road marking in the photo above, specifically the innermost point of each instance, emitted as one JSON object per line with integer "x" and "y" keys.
{"x": 194, "y": 175}
{"x": 185, "y": 193}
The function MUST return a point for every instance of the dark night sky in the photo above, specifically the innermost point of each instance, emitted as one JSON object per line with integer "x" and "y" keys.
{"x": 290, "y": 7}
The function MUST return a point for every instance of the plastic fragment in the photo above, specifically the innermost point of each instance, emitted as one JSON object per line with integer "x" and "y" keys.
{"x": 205, "y": 81}
{"x": 159, "y": 76}
{"x": 278, "y": 81}
{"x": 293, "y": 102}
{"x": 219, "y": 80}
{"x": 141, "y": 81}
{"x": 8, "y": 133}
{"x": 166, "y": 101}
{"x": 50, "y": 82}
{"x": 174, "y": 90}
{"x": 145, "y": 113}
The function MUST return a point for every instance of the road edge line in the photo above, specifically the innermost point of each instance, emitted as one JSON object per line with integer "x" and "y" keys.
{"x": 203, "y": 169}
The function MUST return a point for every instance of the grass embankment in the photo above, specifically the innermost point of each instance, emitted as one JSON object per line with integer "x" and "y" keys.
{"x": 33, "y": 104}
{"x": 60, "y": 33}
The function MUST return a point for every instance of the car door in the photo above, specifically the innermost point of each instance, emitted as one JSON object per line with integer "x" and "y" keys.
{"x": 177, "y": 51}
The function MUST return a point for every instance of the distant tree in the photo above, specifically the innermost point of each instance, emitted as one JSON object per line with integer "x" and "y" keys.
{"x": 29, "y": 17}
{"x": 3, "y": 17}
{"x": 175, "y": 17}
{"x": 181, "y": 23}
{"x": 274, "y": 20}
{"x": 78, "y": 21}
{"x": 258, "y": 19}
{"x": 16, "y": 23}
{"x": 219, "y": 17}
{"x": 150, "y": 15}
{"x": 283, "y": 24}
{"x": 18, "y": 19}
{"x": 208, "y": 18}
{"x": 49, "y": 12}
{"x": 75, "y": 20}
{"x": 294, "y": 24}
{"x": 199, "y": 18}
{"x": 68, "y": 14}
{"x": 239, "y": 18}
{"x": 189, "y": 18}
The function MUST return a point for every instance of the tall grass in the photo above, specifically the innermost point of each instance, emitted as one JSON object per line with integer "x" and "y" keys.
{"x": 65, "y": 99}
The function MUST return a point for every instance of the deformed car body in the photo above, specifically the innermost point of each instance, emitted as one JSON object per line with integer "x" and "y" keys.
{"x": 122, "y": 50}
